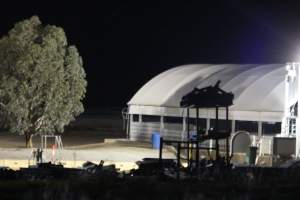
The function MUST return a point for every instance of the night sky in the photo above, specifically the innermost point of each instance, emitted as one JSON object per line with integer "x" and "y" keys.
{"x": 125, "y": 43}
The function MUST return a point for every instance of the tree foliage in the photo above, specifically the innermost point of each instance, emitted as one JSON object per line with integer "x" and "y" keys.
{"x": 42, "y": 80}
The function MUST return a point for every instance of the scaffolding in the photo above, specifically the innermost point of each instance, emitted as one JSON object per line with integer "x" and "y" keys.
{"x": 56, "y": 148}
{"x": 208, "y": 97}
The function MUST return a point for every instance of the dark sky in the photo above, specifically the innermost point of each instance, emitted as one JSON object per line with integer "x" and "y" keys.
{"x": 126, "y": 43}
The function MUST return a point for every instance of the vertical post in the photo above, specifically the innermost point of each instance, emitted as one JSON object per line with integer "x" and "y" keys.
{"x": 129, "y": 120}
{"x": 162, "y": 126}
{"x": 227, "y": 142}
{"x": 188, "y": 136}
{"x": 232, "y": 126}
{"x": 42, "y": 143}
{"x": 197, "y": 123}
{"x": 259, "y": 134}
{"x": 297, "y": 89}
{"x": 178, "y": 159}
{"x": 217, "y": 119}
{"x": 183, "y": 133}
{"x": 197, "y": 141}
{"x": 207, "y": 132}
{"x": 259, "y": 131}
{"x": 231, "y": 136}
{"x": 297, "y": 136}
{"x": 188, "y": 122}
{"x": 227, "y": 120}
{"x": 56, "y": 139}
{"x": 207, "y": 125}
{"x": 160, "y": 150}
{"x": 288, "y": 87}
{"x": 216, "y": 131}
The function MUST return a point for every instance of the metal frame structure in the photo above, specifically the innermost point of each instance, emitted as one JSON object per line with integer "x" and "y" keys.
{"x": 57, "y": 141}
{"x": 58, "y": 145}
{"x": 208, "y": 97}
{"x": 291, "y": 122}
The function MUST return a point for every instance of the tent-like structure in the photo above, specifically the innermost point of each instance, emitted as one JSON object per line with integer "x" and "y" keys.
{"x": 258, "y": 90}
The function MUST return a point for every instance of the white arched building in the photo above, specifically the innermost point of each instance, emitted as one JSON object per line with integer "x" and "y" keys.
{"x": 259, "y": 100}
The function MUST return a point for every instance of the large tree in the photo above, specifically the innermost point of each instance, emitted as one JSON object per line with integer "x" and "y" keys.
{"x": 42, "y": 80}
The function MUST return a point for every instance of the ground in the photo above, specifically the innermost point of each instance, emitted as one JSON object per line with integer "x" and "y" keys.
{"x": 91, "y": 127}
{"x": 93, "y": 138}
{"x": 69, "y": 139}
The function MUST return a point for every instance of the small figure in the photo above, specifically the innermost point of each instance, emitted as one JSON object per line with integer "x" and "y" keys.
{"x": 39, "y": 156}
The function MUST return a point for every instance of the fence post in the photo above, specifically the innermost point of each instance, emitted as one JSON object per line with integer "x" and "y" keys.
{"x": 160, "y": 150}
{"x": 178, "y": 159}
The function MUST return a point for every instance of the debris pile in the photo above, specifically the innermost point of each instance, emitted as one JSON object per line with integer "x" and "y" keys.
{"x": 48, "y": 171}
{"x": 100, "y": 169}
{"x": 154, "y": 167}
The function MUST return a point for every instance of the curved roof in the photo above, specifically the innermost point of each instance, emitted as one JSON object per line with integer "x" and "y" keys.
{"x": 255, "y": 87}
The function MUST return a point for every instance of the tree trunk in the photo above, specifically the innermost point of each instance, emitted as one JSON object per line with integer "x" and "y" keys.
{"x": 28, "y": 140}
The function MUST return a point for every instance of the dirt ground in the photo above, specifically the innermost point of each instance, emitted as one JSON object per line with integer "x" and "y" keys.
{"x": 89, "y": 138}
{"x": 69, "y": 139}
{"x": 88, "y": 129}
